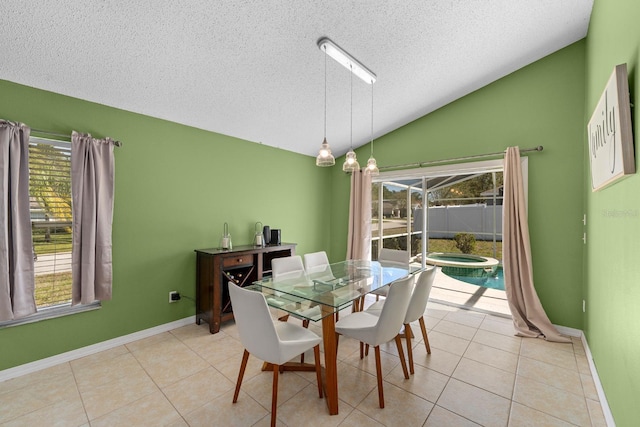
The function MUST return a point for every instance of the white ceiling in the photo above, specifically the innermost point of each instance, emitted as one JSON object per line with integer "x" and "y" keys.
{"x": 251, "y": 69}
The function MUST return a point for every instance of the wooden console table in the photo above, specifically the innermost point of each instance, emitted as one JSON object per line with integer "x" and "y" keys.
{"x": 215, "y": 268}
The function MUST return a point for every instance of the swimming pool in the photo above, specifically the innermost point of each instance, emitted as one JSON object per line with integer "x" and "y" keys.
{"x": 473, "y": 269}
{"x": 493, "y": 281}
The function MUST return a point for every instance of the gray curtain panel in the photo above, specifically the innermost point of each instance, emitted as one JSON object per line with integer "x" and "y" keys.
{"x": 17, "y": 282}
{"x": 92, "y": 188}
{"x": 529, "y": 317}
{"x": 359, "y": 239}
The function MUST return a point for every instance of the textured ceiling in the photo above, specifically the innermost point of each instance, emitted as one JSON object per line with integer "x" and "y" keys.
{"x": 252, "y": 69}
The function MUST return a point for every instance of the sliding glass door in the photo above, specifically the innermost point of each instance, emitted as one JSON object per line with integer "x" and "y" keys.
{"x": 452, "y": 208}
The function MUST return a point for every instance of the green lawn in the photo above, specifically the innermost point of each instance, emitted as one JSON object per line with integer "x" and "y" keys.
{"x": 53, "y": 289}
{"x": 482, "y": 248}
{"x": 58, "y": 242}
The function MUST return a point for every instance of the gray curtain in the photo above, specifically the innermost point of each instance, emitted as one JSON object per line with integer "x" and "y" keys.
{"x": 92, "y": 187}
{"x": 359, "y": 239}
{"x": 529, "y": 317}
{"x": 17, "y": 282}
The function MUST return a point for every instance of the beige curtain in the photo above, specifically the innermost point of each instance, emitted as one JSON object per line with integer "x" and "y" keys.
{"x": 92, "y": 187}
{"x": 17, "y": 282}
{"x": 529, "y": 317}
{"x": 359, "y": 240}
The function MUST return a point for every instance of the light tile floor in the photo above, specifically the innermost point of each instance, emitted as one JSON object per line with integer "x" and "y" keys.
{"x": 478, "y": 373}
{"x": 454, "y": 292}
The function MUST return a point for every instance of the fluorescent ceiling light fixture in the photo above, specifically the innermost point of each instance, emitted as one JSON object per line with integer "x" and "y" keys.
{"x": 347, "y": 61}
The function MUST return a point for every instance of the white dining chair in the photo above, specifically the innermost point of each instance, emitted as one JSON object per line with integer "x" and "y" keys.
{"x": 375, "y": 330}
{"x": 287, "y": 267}
{"x": 394, "y": 255}
{"x": 415, "y": 311}
{"x": 317, "y": 266}
{"x": 390, "y": 257}
{"x": 316, "y": 262}
{"x": 273, "y": 343}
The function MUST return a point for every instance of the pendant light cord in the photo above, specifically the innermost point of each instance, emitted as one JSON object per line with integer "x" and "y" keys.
{"x": 351, "y": 69}
{"x": 325, "y": 93}
{"x": 372, "y": 118}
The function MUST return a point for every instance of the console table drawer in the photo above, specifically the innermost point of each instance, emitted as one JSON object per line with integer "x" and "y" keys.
{"x": 237, "y": 260}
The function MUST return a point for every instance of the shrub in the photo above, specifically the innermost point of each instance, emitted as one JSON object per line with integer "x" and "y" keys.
{"x": 465, "y": 242}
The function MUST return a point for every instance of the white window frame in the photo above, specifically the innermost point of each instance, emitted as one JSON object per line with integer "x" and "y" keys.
{"x": 484, "y": 166}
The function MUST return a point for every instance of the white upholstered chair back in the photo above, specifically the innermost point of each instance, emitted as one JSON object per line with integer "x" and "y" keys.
{"x": 255, "y": 326}
{"x": 420, "y": 295}
{"x": 285, "y": 267}
{"x": 393, "y": 255}
{"x": 393, "y": 311}
{"x": 316, "y": 262}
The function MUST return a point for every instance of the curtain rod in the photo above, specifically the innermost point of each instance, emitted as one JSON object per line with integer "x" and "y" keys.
{"x": 61, "y": 135}
{"x": 456, "y": 159}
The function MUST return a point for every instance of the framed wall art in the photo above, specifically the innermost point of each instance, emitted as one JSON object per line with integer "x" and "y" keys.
{"x": 609, "y": 133}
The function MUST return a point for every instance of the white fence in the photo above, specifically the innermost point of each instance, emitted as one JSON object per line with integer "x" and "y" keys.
{"x": 444, "y": 222}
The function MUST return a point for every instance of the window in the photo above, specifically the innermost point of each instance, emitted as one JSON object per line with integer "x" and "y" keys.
{"x": 51, "y": 220}
{"x": 462, "y": 198}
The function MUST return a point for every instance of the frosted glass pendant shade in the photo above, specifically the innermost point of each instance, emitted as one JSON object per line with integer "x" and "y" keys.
{"x": 325, "y": 158}
{"x": 351, "y": 163}
{"x": 372, "y": 167}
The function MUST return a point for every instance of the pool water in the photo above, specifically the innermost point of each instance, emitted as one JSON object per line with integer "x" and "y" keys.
{"x": 493, "y": 280}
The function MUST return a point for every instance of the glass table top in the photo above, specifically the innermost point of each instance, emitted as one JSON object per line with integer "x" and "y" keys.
{"x": 323, "y": 290}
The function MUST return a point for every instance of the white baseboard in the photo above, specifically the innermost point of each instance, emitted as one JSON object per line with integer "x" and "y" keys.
{"x": 608, "y": 416}
{"x": 48, "y": 362}
{"x": 572, "y": 332}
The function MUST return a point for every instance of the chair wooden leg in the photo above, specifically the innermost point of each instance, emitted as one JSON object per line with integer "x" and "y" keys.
{"x": 408, "y": 333}
{"x": 243, "y": 365}
{"x": 366, "y": 350}
{"x": 274, "y": 395}
{"x": 361, "y": 350}
{"x": 401, "y": 354}
{"x": 424, "y": 335}
{"x": 316, "y": 356}
{"x": 379, "y": 376}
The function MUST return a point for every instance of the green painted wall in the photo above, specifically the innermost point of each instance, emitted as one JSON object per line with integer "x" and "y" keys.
{"x": 542, "y": 104}
{"x": 612, "y": 291}
{"x": 175, "y": 187}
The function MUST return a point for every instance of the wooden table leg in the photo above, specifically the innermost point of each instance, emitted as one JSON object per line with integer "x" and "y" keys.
{"x": 330, "y": 358}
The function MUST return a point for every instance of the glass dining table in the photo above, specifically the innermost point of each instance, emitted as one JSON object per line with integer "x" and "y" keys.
{"x": 317, "y": 295}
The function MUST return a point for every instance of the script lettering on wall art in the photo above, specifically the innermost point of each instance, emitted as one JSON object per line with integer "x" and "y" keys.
{"x": 609, "y": 133}
{"x": 602, "y": 135}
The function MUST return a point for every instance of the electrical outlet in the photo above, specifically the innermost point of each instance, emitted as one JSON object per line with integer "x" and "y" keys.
{"x": 174, "y": 296}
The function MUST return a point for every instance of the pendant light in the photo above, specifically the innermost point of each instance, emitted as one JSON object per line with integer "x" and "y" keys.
{"x": 325, "y": 158}
{"x": 351, "y": 163}
{"x": 372, "y": 167}
{"x": 355, "y": 67}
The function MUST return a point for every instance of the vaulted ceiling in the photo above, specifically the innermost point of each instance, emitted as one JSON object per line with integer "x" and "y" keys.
{"x": 252, "y": 69}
